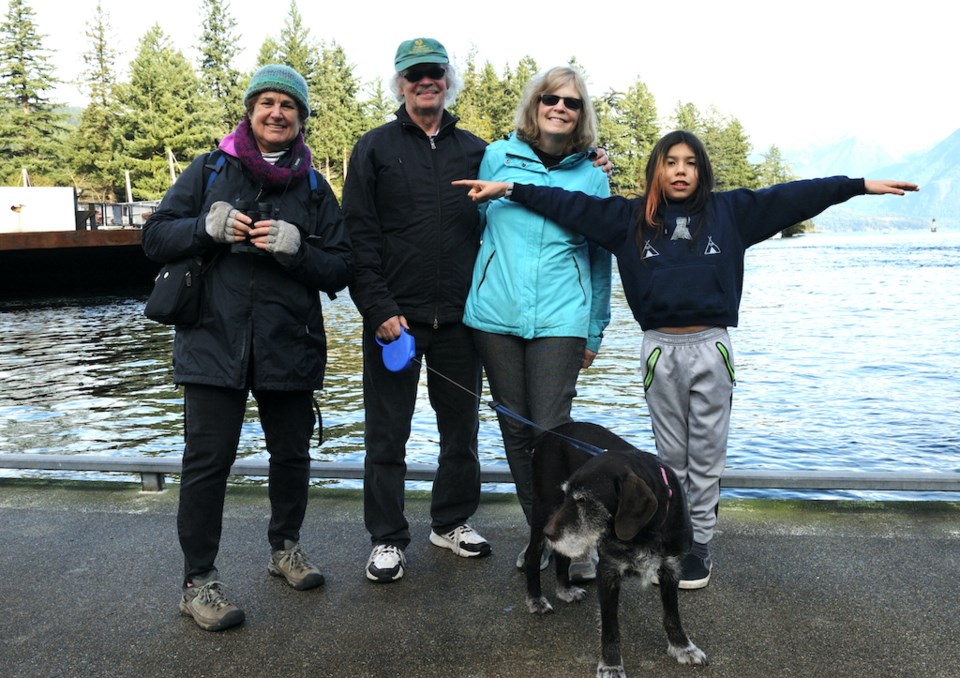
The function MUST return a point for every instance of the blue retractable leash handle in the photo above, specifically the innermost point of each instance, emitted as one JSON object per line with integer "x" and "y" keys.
{"x": 398, "y": 353}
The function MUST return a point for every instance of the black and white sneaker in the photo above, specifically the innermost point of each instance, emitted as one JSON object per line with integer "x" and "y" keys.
{"x": 694, "y": 572}
{"x": 463, "y": 540}
{"x": 385, "y": 564}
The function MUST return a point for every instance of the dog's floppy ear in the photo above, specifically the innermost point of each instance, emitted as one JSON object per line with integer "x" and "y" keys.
{"x": 635, "y": 509}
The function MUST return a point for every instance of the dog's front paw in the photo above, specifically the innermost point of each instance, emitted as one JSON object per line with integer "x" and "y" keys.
{"x": 691, "y": 654}
{"x": 573, "y": 594}
{"x": 604, "y": 671}
{"x": 539, "y": 605}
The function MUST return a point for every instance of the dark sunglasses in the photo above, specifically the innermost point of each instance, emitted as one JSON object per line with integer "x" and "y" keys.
{"x": 416, "y": 73}
{"x": 573, "y": 103}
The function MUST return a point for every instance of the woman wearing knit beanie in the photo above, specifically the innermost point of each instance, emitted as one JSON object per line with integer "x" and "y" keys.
{"x": 271, "y": 236}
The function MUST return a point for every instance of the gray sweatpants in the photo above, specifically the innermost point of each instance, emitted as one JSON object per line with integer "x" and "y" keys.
{"x": 688, "y": 380}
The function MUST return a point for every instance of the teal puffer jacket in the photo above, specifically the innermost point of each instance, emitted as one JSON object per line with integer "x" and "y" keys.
{"x": 533, "y": 278}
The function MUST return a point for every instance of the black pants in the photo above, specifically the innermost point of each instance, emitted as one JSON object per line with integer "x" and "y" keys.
{"x": 213, "y": 417}
{"x": 389, "y": 399}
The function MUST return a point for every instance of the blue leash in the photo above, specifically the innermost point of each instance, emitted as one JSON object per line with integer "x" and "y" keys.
{"x": 592, "y": 450}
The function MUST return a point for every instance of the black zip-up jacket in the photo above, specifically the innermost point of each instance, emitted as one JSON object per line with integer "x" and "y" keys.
{"x": 253, "y": 305}
{"x": 414, "y": 236}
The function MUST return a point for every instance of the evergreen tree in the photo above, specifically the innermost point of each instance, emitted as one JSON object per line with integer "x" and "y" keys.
{"x": 379, "y": 106}
{"x": 483, "y": 105}
{"x": 526, "y": 69}
{"x": 269, "y": 54}
{"x": 219, "y": 80}
{"x": 729, "y": 150}
{"x": 773, "y": 169}
{"x": 32, "y": 131}
{"x": 469, "y": 106}
{"x": 509, "y": 92}
{"x": 297, "y": 49}
{"x": 162, "y": 112}
{"x": 686, "y": 116}
{"x": 337, "y": 120}
{"x": 629, "y": 128}
{"x": 726, "y": 142}
{"x": 94, "y": 143}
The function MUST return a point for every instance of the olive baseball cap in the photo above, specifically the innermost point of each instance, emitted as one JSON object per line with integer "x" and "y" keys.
{"x": 420, "y": 51}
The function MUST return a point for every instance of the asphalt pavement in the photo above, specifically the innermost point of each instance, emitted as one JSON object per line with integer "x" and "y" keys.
{"x": 91, "y": 573}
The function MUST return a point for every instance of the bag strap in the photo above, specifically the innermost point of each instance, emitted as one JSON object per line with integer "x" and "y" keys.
{"x": 215, "y": 167}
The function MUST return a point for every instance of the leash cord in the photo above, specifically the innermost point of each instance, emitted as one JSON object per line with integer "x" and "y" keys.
{"x": 592, "y": 450}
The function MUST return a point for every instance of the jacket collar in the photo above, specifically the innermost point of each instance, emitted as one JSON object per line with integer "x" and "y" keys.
{"x": 523, "y": 150}
{"x": 447, "y": 122}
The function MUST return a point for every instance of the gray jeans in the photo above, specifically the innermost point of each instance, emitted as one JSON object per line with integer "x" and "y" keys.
{"x": 536, "y": 379}
{"x": 688, "y": 380}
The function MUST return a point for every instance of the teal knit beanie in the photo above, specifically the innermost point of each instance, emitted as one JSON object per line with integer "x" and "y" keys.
{"x": 280, "y": 78}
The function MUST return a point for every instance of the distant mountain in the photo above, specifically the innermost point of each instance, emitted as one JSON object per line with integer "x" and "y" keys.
{"x": 852, "y": 157}
{"x": 936, "y": 170}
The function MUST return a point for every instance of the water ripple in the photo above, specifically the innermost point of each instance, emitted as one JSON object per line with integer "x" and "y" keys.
{"x": 845, "y": 360}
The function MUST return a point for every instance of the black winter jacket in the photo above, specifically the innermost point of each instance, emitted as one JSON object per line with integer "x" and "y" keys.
{"x": 414, "y": 236}
{"x": 253, "y": 307}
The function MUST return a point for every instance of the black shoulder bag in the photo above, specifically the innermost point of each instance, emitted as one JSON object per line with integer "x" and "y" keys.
{"x": 178, "y": 287}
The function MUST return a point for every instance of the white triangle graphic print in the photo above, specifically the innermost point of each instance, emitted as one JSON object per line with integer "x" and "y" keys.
{"x": 711, "y": 247}
{"x": 648, "y": 251}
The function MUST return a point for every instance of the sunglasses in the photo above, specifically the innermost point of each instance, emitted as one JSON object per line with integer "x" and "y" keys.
{"x": 417, "y": 73}
{"x": 572, "y": 103}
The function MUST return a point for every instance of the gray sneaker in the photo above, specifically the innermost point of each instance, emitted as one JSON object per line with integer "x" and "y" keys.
{"x": 291, "y": 563}
{"x": 545, "y": 556}
{"x": 209, "y": 608}
{"x": 585, "y": 570}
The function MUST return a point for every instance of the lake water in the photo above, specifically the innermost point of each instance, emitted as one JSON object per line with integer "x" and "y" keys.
{"x": 846, "y": 359}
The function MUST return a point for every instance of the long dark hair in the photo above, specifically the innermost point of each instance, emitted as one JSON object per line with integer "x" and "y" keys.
{"x": 654, "y": 198}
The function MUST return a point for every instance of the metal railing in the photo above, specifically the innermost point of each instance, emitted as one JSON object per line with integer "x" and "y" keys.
{"x": 153, "y": 471}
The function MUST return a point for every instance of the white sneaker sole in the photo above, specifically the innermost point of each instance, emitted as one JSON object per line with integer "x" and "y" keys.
{"x": 440, "y": 541}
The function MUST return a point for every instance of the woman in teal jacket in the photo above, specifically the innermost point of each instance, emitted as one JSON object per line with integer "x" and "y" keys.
{"x": 540, "y": 296}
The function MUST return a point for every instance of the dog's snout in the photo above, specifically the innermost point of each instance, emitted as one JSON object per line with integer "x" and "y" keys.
{"x": 550, "y": 530}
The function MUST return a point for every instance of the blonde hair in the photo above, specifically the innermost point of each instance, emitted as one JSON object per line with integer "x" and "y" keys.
{"x": 528, "y": 127}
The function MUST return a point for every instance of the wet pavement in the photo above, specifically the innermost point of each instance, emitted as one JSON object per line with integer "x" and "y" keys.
{"x": 91, "y": 570}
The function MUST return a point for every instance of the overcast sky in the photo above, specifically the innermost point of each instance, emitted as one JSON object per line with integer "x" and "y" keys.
{"x": 794, "y": 74}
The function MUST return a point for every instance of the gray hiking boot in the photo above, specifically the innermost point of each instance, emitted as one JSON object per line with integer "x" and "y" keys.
{"x": 209, "y": 607}
{"x": 291, "y": 563}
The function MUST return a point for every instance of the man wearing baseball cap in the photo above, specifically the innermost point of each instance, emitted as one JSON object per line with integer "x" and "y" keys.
{"x": 415, "y": 238}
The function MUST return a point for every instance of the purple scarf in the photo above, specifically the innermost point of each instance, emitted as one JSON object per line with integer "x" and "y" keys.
{"x": 241, "y": 144}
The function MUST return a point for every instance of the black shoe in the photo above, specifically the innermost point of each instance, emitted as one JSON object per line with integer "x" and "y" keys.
{"x": 694, "y": 572}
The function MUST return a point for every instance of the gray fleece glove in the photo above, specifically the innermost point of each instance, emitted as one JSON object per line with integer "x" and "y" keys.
{"x": 283, "y": 242}
{"x": 219, "y": 224}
